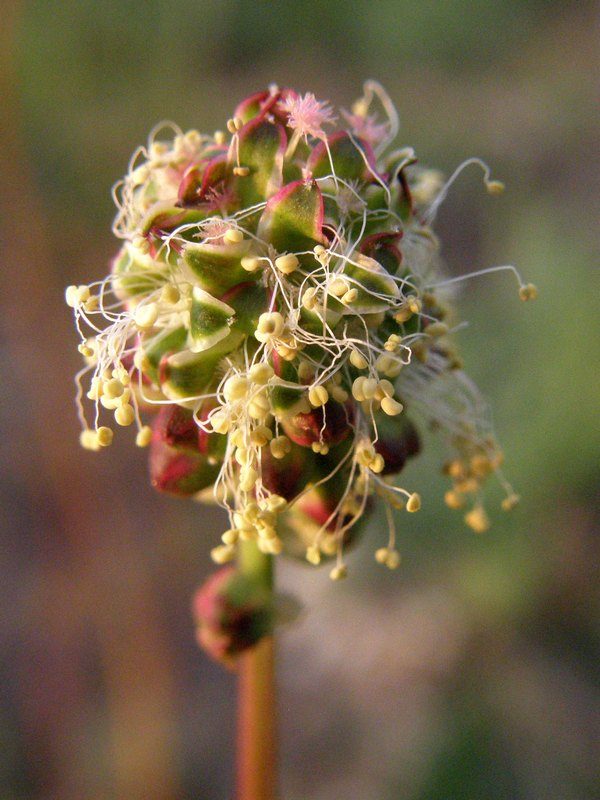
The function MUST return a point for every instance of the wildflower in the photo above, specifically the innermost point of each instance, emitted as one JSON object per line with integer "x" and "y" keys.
{"x": 278, "y": 303}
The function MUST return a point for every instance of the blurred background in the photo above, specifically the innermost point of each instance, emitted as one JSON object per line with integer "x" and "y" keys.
{"x": 470, "y": 673}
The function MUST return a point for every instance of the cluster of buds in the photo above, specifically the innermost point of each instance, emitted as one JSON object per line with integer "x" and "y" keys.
{"x": 278, "y": 300}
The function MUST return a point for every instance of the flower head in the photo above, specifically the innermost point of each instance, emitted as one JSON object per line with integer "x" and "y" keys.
{"x": 278, "y": 308}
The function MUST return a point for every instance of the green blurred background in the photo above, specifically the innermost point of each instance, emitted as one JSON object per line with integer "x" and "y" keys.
{"x": 472, "y": 672}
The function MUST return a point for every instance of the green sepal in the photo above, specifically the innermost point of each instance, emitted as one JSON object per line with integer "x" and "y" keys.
{"x": 261, "y": 146}
{"x": 293, "y": 218}
{"x": 216, "y": 267}
{"x": 249, "y": 300}
{"x": 136, "y": 274}
{"x": 166, "y": 217}
{"x": 368, "y": 279}
{"x": 288, "y": 401}
{"x": 210, "y": 320}
{"x": 157, "y": 345}
{"x": 353, "y": 159}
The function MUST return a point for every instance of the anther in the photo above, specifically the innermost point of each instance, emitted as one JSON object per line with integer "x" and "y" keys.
{"x": 250, "y": 263}
{"x": 124, "y": 415}
{"x": 391, "y": 407}
{"x": 144, "y": 436}
{"x": 313, "y": 555}
{"x": 280, "y": 446}
{"x": 233, "y": 236}
{"x": 235, "y": 388}
{"x": 261, "y": 373}
{"x": 494, "y": 187}
{"x": 510, "y": 502}
{"x": 287, "y": 263}
{"x": 413, "y": 503}
{"x": 318, "y": 396}
{"x": 358, "y": 360}
{"x": 104, "y": 436}
{"x": 528, "y": 292}
{"x": 339, "y": 572}
{"x": 241, "y": 172}
{"x": 145, "y": 316}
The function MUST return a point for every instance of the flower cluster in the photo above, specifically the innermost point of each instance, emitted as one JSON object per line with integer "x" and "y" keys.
{"x": 278, "y": 302}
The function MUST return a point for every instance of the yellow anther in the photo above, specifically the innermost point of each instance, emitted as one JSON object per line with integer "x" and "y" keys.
{"x": 259, "y": 407}
{"x": 318, "y": 250}
{"x": 377, "y": 464}
{"x": 124, "y": 415}
{"x": 170, "y": 294}
{"x": 306, "y": 372}
{"x": 454, "y": 499}
{"x": 357, "y": 388}
{"x": 239, "y": 438}
{"x": 261, "y": 373}
{"x": 381, "y": 555}
{"x": 393, "y": 559}
{"x": 243, "y": 456}
{"x": 339, "y": 394}
{"x": 358, "y": 360}
{"x": 391, "y": 407}
{"x": 369, "y": 387}
{"x": 287, "y": 264}
{"x": 338, "y": 287}
{"x": 385, "y": 388}
{"x": 241, "y": 172}
{"x": 313, "y": 555}
{"x": 233, "y": 236}
{"x": 385, "y": 362}
{"x": 270, "y": 325}
{"x": 219, "y": 137}
{"x": 413, "y": 503}
{"x": 146, "y": 315}
{"x": 85, "y": 350}
{"x": 528, "y": 292}
{"x": 309, "y": 298}
{"x": 280, "y": 446}
{"x": 393, "y": 343}
{"x": 436, "y": 329}
{"x": 261, "y": 436}
{"x": 477, "y": 519}
{"x": 223, "y": 553}
{"x": 339, "y": 572}
{"x": 77, "y": 295}
{"x": 234, "y": 124}
{"x": 113, "y": 388}
{"x": 320, "y": 448}
{"x": 104, "y": 436}
{"x": 141, "y": 361}
{"x": 350, "y": 296}
{"x": 144, "y": 436}
{"x": 230, "y": 536}
{"x": 235, "y": 388}
{"x": 248, "y": 478}
{"x": 250, "y": 263}
{"x": 89, "y": 440}
{"x": 494, "y": 187}
{"x": 510, "y": 502}
{"x": 91, "y": 304}
{"x": 403, "y": 314}
{"x": 220, "y": 422}
{"x": 318, "y": 396}
{"x": 414, "y": 304}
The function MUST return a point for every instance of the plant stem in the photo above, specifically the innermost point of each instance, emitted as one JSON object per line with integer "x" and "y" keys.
{"x": 256, "y": 774}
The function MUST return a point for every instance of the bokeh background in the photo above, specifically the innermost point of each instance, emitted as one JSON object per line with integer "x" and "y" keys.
{"x": 470, "y": 673}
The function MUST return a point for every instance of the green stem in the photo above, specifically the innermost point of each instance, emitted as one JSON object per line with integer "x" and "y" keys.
{"x": 256, "y": 773}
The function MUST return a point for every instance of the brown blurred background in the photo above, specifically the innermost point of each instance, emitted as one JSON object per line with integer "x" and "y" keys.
{"x": 470, "y": 673}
